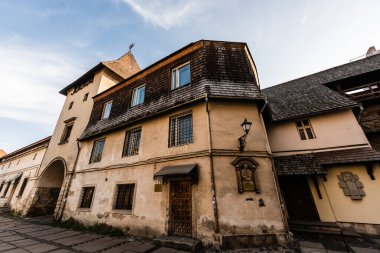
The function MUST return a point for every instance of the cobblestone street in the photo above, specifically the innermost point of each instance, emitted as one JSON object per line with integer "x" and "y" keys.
{"x": 18, "y": 236}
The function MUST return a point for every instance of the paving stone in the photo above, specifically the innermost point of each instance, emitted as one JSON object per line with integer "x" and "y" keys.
{"x": 144, "y": 247}
{"x": 11, "y": 238}
{"x": 7, "y": 233}
{"x": 124, "y": 247}
{"x": 40, "y": 248}
{"x": 62, "y": 251}
{"x": 364, "y": 250}
{"x": 83, "y": 238}
{"x": 15, "y": 251}
{"x": 99, "y": 244}
{"x": 165, "y": 250}
{"x": 31, "y": 229}
{"x": 6, "y": 246}
{"x": 45, "y": 232}
{"x": 57, "y": 236}
{"x": 24, "y": 243}
{"x": 308, "y": 244}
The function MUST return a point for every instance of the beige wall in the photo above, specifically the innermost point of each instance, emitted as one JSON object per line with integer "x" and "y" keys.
{"x": 151, "y": 209}
{"x": 335, "y": 206}
{"x": 332, "y": 130}
{"x": 28, "y": 167}
{"x": 82, "y": 111}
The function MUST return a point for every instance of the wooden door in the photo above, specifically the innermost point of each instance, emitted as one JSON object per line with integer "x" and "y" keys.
{"x": 298, "y": 198}
{"x": 180, "y": 208}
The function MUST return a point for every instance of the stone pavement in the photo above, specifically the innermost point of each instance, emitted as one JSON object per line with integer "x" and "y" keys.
{"x": 322, "y": 243}
{"x": 18, "y": 236}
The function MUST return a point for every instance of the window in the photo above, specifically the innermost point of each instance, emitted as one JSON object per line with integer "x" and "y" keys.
{"x": 181, "y": 129}
{"x": 85, "y": 97}
{"x": 124, "y": 196}
{"x": 6, "y": 189}
{"x": 97, "y": 150}
{"x": 305, "y": 130}
{"x": 66, "y": 133}
{"x": 107, "y": 110}
{"x": 132, "y": 142}
{"x": 71, "y": 105}
{"x": 9, "y": 165}
{"x": 138, "y": 95}
{"x": 34, "y": 157}
{"x": 22, "y": 188}
{"x": 181, "y": 76}
{"x": 86, "y": 197}
{"x": 18, "y": 162}
{"x": 1, "y": 186}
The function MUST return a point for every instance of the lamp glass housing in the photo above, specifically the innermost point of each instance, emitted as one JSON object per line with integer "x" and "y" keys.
{"x": 246, "y": 125}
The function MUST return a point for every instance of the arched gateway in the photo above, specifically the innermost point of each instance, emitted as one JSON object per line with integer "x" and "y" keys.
{"x": 48, "y": 188}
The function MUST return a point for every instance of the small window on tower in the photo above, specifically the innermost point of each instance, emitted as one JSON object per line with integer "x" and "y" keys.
{"x": 85, "y": 97}
{"x": 71, "y": 105}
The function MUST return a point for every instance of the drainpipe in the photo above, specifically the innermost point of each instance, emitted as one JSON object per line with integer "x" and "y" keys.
{"x": 275, "y": 179}
{"x": 212, "y": 174}
{"x": 66, "y": 193}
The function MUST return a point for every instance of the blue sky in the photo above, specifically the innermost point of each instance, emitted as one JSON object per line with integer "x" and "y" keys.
{"x": 47, "y": 44}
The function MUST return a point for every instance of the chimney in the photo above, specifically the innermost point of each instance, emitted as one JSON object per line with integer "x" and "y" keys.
{"x": 372, "y": 51}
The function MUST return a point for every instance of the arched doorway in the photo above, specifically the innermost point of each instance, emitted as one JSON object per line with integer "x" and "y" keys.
{"x": 48, "y": 189}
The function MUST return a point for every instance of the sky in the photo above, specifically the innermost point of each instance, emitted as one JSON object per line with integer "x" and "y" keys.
{"x": 47, "y": 44}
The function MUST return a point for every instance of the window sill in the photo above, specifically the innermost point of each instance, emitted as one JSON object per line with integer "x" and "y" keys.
{"x": 79, "y": 209}
{"x": 125, "y": 156}
{"x": 122, "y": 211}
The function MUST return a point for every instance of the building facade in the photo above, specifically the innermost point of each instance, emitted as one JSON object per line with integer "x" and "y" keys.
{"x": 18, "y": 171}
{"x": 325, "y": 164}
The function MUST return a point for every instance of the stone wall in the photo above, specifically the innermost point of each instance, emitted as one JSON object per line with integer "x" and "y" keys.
{"x": 44, "y": 201}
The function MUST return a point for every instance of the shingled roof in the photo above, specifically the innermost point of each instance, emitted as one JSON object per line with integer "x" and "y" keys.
{"x": 312, "y": 163}
{"x": 308, "y": 95}
{"x": 224, "y": 67}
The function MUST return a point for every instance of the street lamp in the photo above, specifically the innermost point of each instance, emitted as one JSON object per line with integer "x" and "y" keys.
{"x": 246, "y": 125}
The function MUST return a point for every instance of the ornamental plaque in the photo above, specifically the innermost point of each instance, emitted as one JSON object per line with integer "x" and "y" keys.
{"x": 351, "y": 185}
{"x": 246, "y": 174}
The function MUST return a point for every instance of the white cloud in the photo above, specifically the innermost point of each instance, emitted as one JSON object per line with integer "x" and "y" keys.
{"x": 30, "y": 78}
{"x": 167, "y": 13}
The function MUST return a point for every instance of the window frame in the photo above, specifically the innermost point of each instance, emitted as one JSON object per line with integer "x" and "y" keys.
{"x": 104, "y": 109}
{"x": 175, "y": 85}
{"x": 85, "y": 97}
{"x": 115, "y": 197}
{"x": 134, "y": 92}
{"x": 64, "y": 133}
{"x": 127, "y": 138}
{"x": 93, "y": 149}
{"x": 22, "y": 187}
{"x": 82, "y": 195}
{"x": 177, "y": 130}
{"x": 302, "y": 130}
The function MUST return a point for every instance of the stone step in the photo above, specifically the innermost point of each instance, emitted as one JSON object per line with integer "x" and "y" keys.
{"x": 177, "y": 242}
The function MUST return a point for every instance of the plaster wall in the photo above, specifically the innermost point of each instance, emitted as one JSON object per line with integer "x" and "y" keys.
{"x": 335, "y": 206}
{"x": 81, "y": 110}
{"x": 332, "y": 130}
{"x": 150, "y": 212}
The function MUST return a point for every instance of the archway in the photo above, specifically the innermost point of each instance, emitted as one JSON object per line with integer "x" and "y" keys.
{"x": 48, "y": 188}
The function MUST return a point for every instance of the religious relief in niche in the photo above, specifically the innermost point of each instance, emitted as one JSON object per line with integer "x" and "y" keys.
{"x": 246, "y": 174}
{"x": 351, "y": 185}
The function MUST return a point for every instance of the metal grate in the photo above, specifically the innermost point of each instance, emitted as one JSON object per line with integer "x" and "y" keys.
{"x": 97, "y": 150}
{"x": 181, "y": 130}
{"x": 124, "y": 196}
{"x": 22, "y": 188}
{"x": 132, "y": 142}
{"x": 86, "y": 199}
